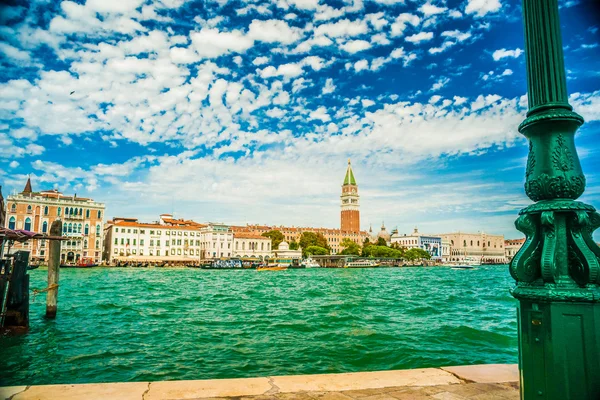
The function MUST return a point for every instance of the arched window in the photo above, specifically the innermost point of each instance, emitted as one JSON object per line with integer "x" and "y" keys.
{"x": 79, "y": 228}
{"x": 65, "y": 228}
{"x": 13, "y": 208}
{"x": 11, "y": 222}
{"x": 29, "y": 208}
{"x": 58, "y": 211}
{"x": 97, "y": 230}
{"x": 45, "y": 226}
{"x": 471, "y": 243}
{"x": 46, "y": 210}
{"x": 87, "y": 229}
{"x": 464, "y": 243}
{"x": 27, "y": 226}
{"x": 87, "y": 213}
{"x": 488, "y": 244}
{"x": 85, "y": 244}
{"x": 99, "y": 214}
{"x": 70, "y": 229}
{"x": 243, "y": 245}
{"x": 81, "y": 211}
{"x": 97, "y": 244}
{"x": 452, "y": 242}
{"x": 478, "y": 243}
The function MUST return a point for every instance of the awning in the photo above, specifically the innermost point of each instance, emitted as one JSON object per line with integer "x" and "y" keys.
{"x": 21, "y": 235}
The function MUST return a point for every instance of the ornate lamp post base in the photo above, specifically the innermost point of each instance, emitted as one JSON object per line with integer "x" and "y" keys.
{"x": 558, "y": 275}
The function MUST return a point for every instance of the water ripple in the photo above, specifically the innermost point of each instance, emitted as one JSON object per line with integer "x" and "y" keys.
{"x": 165, "y": 324}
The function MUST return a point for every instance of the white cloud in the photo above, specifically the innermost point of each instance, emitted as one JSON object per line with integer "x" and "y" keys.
{"x": 440, "y": 83}
{"x": 342, "y": 28}
{"x": 113, "y": 6}
{"x": 320, "y": 114}
{"x": 377, "y": 20}
{"x": 401, "y": 22}
{"x": 503, "y": 53}
{"x": 354, "y": 46}
{"x": 211, "y": 43}
{"x": 260, "y": 60}
{"x": 420, "y": 37}
{"x": 458, "y": 35}
{"x": 381, "y": 39}
{"x": 367, "y": 103}
{"x": 361, "y": 65}
{"x": 507, "y": 72}
{"x": 273, "y": 31}
{"x": 482, "y": 7}
{"x": 290, "y": 70}
{"x": 13, "y": 53}
{"x": 329, "y": 86}
{"x": 14, "y": 164}
{"x": 429, "y": 9}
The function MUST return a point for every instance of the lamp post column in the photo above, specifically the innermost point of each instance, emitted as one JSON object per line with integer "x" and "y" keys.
{"x": 557, "y": 271}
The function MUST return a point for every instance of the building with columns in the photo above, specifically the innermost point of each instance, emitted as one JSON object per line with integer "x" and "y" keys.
{"x": 481, "y": 247}
{"x": 81, "y": 217}
{"x": 512, "y": 247}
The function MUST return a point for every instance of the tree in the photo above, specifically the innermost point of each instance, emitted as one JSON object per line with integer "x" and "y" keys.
{"x": 315, "y": 250}
{"x": 416, "y": 254}
{"x": 350, "y": 247}
{"x": 294, "y": 245}
{"x": 366, "y": 242}
{"x": 381, "y": 242}
{"x": 276, "y": 238}
{"x": 308, "y": 239}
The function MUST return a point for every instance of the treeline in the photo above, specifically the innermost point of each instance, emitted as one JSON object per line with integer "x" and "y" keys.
{"x": 313, "y": 243}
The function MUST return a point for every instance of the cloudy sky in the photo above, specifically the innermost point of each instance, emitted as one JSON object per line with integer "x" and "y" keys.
{"x": 247, "y": 111}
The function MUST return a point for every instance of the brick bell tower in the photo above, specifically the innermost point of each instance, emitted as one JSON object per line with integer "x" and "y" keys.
{"x": 350, "y": 218}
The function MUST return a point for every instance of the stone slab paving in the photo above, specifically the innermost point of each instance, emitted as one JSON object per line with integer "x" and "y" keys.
{"x": 448, "y": 383}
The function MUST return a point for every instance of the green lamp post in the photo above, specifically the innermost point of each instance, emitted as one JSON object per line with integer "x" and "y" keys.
{"x": 558, "y": 268}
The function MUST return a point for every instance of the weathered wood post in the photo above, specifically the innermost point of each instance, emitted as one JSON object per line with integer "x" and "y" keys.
{"x": 53, "y": 269}
{"x": 558, "y": 268}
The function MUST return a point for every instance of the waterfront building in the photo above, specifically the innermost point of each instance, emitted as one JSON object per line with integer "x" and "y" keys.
{"x": 416, "y": 240}
{"x": 81, "y": 217}
{"x": 350, "y": 215}
{"x": 246, "y": 244}
{"x": 166, "y": 240}
{"x": 511, "y": 247}
{"x": 446, "y": 250}
{"x": 480, "y": 247}
{"x": 284, "y": 252}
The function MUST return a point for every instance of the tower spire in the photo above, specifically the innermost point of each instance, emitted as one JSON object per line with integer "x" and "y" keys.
{"x": 27, "y": 189}
{"x": 349, "y": 179}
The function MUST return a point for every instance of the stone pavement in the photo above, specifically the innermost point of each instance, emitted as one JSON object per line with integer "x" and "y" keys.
{"x": 478, "y": 382}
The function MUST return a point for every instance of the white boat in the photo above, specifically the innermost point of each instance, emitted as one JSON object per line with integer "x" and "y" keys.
{"x": 471, "y": 261}
{"x": 463, "y": 267}
{"x": 361, "y": 264}
{"x": 309, "y": 263}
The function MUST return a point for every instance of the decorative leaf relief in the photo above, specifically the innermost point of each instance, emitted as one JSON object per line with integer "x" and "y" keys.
{"x": 530, "y": 161}
{"x": 546, "y": 187}
{"x": 561, "y": 156}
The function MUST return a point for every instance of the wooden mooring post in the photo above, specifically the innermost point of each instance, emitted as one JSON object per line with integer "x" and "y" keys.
{"x": 53, "y": 270}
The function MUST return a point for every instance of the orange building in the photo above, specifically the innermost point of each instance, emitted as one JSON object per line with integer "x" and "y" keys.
{"x": 82, "y": 223}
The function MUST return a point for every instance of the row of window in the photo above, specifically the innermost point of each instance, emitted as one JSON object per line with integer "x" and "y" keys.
{"x": 76, "y": 228}
{"x": 158, "y": 252}
{"x": 478, "y": 243}
{"x": 68, "y": 211}
{"x": 153, "y": 232}
{"x": 178, "y": 242}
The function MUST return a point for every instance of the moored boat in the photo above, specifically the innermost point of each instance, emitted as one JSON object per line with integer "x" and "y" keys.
{"x": 272, "y": 268}
{"x": 361, "y": 264}
{"x": 310, "y": 263}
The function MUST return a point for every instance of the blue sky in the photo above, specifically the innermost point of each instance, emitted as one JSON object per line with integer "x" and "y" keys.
{"x": 247, "y": 111}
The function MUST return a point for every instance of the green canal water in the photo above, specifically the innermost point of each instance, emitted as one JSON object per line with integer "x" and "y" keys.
{"x": 165, "y": 324}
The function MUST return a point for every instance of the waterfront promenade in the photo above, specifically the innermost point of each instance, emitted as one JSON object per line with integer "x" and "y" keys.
{"x": 477, "y": 382}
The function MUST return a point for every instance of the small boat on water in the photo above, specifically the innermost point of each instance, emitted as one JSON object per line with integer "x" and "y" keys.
{"x": 361, "y": 264}
{"x": 310, "y": 263}
{"x": 83, "y": 263}
{"x": 463, "y": 267}
{"x": 272, "y": 268}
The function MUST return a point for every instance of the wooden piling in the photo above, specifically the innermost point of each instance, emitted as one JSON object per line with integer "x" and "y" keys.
{"x": 53, "y": 270}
